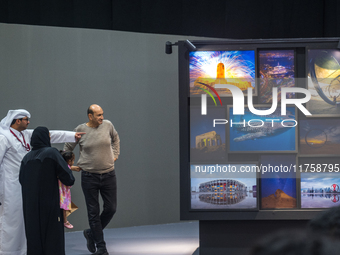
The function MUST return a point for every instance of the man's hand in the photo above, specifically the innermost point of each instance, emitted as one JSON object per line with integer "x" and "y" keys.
{"x": 75, "y": 168}
{"x": 115, "y": 159}
{"x": 78, "y": 135}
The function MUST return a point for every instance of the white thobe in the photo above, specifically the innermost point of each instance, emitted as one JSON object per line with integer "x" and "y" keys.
{"x": 12, "y": 231}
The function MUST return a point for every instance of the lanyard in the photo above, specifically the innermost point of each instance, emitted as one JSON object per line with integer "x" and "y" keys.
{"x": 27, "y": 146}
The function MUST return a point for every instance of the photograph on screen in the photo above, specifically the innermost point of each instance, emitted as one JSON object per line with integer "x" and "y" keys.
{"x": 278, "y": 181}
{"x": 207, "y": 143}
{"x": 210, "y": 68}
{"x": 214, "y": 186}
{"x": 324, "y": 82}
{"x": 320, "y": 190}
{"x": 265, "y": 133}
{"x": 319, "y": 137}
{"x": 276, "y": 70}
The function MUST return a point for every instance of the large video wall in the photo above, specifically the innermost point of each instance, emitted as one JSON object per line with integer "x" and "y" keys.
{"x": 252, "y": 144}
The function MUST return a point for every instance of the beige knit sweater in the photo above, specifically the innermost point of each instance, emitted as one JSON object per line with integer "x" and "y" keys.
{"x": 97, "y": 148}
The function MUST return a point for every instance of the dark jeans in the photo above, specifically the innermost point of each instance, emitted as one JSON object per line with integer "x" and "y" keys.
{"x": 106, "y": 184}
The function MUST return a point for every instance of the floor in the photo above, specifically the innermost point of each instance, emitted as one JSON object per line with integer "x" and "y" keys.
{"x": 167, "y": 239}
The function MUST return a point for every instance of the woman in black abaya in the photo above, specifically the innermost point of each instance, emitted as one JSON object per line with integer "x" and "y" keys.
{"x": 39, "y": 173}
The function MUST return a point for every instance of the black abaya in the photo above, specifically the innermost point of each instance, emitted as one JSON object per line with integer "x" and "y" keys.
{"x": 39, "y": 173}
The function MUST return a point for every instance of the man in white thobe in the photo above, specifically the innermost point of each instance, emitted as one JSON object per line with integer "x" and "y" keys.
{"x": 14, "y": 144}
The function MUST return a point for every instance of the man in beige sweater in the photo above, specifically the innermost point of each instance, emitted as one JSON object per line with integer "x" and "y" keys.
{"x": 99, "y": 149}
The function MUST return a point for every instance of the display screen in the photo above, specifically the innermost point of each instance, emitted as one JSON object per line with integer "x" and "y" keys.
{"x": 223, "y": 186}
{"x": 320, "y": 137}
{"x": 209, "y": 68}
{"x": 278, "y": 182}
{"x": 320, "y": 190}
{"x": 254, "y": 133}
{"x": 276, "y": 70}
{"x": 324, "y": 81}
{"x": 271, "y": 106}
{"x": 207, "y": 143}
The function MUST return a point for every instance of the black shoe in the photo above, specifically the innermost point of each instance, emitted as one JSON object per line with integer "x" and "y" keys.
{"x": 102, "y": 251}
{"x": 90, "y": 242}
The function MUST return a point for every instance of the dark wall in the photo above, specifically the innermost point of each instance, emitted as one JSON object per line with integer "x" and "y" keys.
{"x": 225, "y": 19}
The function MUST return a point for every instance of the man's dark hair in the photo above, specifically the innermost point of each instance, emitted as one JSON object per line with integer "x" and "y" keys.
{"x": 14, "y": 120}
{"x": 89, "y": 111}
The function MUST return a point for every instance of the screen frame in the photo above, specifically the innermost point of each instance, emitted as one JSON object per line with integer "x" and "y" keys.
{"x": 184, "y": 131}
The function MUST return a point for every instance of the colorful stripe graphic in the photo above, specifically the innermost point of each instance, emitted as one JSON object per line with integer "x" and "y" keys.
{"x": 210, "y": 93}
{"x": 206, "y": 91}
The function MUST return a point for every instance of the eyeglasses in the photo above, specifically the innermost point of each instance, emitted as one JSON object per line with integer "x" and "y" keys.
{"x": 25, "y": 119}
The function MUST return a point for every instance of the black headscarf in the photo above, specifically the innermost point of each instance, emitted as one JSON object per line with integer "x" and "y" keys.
{"x": 40, "y": 138}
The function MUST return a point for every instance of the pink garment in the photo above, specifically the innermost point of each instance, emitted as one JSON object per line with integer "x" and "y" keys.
{"x": 65, "y": 195}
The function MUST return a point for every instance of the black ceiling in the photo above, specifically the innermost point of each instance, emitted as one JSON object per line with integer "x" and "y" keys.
{"x": 241, "y": 19}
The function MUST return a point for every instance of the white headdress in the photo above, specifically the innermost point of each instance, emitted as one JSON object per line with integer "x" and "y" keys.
{"x": 11, "y": 115}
